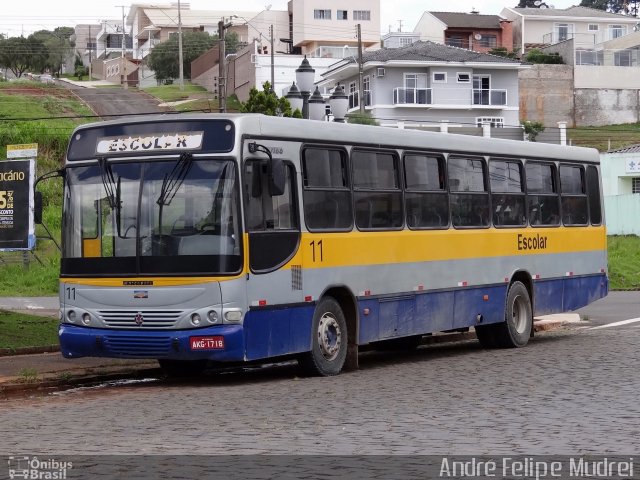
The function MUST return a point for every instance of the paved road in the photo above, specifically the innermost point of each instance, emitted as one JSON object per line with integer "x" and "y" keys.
{"x": 572, "y": 391}
{"x": 114, "y": 101}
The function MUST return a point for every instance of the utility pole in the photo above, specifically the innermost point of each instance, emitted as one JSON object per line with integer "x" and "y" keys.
{"x": 360, "y": 73}
{"x": 222, "y": 74}
{"x": 123, "y": 65}
{"x": 273, "y": 80}
{"x": 90, "y": 49}
{"x": 180, "y": 60}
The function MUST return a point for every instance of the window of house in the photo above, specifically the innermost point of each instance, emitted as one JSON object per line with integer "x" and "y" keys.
{"x": 366, "y": 86}
{"x": 622, "y": 58}
{"x": 469, "y": 196}
{"x": 574, "y": 196}
{"x": 635, "y": 185}
{"x": 376, "y": 190}
{"x": 543, "y": 205}
{"x": 322, "y": 14}
{"x": 593, "y": 27}
{"x": 488, "y": 41}
{"x": 464, "y": 77}
{"x": 426, "y": 202}
{"x": 616, "y": 31}
{"x": 507, "y": 193}
{"x": 342, "y": 15}
{"x": 439, "y": 77}
{"x": 406, "y": 41}
{"x": 362, "y": 15}
{"x": 494, "y": 122}
{"x": 353, "y": 95}
{"x": 326, "y": 194}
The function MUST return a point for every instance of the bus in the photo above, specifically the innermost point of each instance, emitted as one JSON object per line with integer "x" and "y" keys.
{"x": 202, "y": 239}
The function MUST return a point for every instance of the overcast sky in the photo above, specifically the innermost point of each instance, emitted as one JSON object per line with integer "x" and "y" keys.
{"x": 26, "y": 16}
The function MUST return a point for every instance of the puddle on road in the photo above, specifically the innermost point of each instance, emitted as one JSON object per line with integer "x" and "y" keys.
{"x": 103, "y": 385}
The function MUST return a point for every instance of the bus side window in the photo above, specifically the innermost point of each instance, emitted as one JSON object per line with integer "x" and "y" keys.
{"x": 426, "y": 200}
{"x": 574, "y": 195}
{"x": 507, "y": 193}
{"x": 377, "y": 194}
{"x": 266, "y": 212}
{"x": 543, "y": 205}
{"x": 469, "y": 195}
{"x": 593, "y": 191}
{"x": 326, "y": 195}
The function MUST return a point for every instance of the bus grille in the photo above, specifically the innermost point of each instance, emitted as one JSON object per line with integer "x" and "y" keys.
{"x": 135, "y": 346}
{"x": 140, "y": 318}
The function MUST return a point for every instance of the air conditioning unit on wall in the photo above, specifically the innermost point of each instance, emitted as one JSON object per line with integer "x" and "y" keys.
{"x": 380, "y": 72}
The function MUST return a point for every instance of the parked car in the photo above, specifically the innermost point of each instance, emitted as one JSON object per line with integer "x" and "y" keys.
{"x": 46, "y": 78}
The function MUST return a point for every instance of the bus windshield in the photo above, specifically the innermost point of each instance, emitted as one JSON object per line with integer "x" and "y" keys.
{"x": 173, "y": 217}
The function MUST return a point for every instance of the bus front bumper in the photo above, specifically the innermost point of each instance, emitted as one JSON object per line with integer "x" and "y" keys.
{"x": 224, "y": 343}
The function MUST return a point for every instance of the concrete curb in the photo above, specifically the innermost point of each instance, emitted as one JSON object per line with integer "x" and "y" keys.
{"x": 7, "y": 352}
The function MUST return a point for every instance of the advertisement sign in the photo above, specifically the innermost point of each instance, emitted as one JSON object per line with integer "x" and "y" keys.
{"x": 17, "y": 229}
{"x": 633, "y": 166}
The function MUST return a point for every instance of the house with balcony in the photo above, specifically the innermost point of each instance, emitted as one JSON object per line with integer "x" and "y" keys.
{"x": 109, "y": 40}
{"x": 428, "y": 83}
{"x": 539, "y": 27}
{"x": 327, "y": 28}
{"x": 466, "y": 30}
{"x": 150, "y": 25}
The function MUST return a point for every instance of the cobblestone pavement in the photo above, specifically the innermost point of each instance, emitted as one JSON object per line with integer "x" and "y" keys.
{"x": 572, "y": 391}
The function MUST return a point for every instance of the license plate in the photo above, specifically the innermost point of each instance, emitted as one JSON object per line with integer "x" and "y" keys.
{"x": 207, "y": 343}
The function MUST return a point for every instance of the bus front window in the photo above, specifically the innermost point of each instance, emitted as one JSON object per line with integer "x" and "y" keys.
{"x": 151, "y": 215}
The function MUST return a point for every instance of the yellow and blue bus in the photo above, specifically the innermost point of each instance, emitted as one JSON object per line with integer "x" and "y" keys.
{"x": 203, "y": 239}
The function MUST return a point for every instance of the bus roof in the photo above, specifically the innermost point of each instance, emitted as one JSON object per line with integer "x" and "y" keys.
{"x": 312, "y": 131}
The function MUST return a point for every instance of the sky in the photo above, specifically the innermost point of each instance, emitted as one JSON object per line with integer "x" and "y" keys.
{"x": 26, "y": 16}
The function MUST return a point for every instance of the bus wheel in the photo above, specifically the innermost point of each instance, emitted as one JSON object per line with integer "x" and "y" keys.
{"x": 182, "y": 368}
{"x": 329, "y": 340}
{"x": 516, "y": 329}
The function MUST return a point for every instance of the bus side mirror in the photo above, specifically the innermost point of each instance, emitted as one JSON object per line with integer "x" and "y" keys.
{"x": 37, "y": 207}
{"x": 276, "y": 176}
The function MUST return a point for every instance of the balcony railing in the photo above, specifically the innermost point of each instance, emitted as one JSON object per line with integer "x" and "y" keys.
{"x": 412, "y": 96}
{"x": 488, "y": 97}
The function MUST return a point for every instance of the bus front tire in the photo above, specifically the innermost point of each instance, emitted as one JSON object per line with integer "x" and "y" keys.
{"x": 515, "y": 331}
{"x": 329, "y": 340}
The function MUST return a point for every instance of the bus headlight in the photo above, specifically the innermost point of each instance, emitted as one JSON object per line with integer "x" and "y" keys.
{"x": 212, "y": 316}
{"x": 71, "y": 316}
{"x": 233, "y": 316}
{"x": 195, "y": 319}
{"x": 86, "y": 318}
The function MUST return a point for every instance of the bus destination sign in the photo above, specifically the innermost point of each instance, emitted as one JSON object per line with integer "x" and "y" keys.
{"x": 150, "y": 143}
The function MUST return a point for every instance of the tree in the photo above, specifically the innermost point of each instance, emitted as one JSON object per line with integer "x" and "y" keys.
{"x": 16, "y": 54}
{"x": 267, "y": 102}
{"x": 58, "y": 45}
{"x": 538, "y": 56}
{"x": 503, "y": 52}
{"x": 532, "y": 129}
{"x": 624, "y": 7}
{"x": 361, "y": 118}
{"x": 531, "y": 4}
{"x": 164, "y": 58}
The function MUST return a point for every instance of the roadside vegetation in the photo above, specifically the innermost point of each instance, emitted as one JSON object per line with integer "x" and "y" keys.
{"x": 32, "y": 112}
{"x": 199, "y": 99}
{"x": 21, "y": 330}
{"x": 624, "y": 262}
{"x": 609, "y": 137}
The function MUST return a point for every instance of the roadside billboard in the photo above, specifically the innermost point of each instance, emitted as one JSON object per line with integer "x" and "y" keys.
{"x": 17, "y": 176}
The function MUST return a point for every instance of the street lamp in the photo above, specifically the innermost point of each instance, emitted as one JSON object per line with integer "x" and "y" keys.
{"x": 316, "y": 108}
{"x": 305, "y": 76}
{"x": 295, "y": 98}
{"x": 339, "y": 102}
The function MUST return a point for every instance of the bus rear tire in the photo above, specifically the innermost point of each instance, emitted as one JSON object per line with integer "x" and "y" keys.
{"x": 329, "y": 340}
{"x": 182, "y": 368}
{"x": 515, "y": 331}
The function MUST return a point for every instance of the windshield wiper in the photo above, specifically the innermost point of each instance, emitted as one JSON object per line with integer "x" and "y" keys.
{"x": 108, "y": 181}
{"x": 173, "y": 180}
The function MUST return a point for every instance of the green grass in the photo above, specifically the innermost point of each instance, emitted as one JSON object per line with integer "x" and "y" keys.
{"x": 21, "y": 330}
{"x": 624, "y": 262}
{"x": 172, "y": 93}
{"x": 605, "y": 138}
